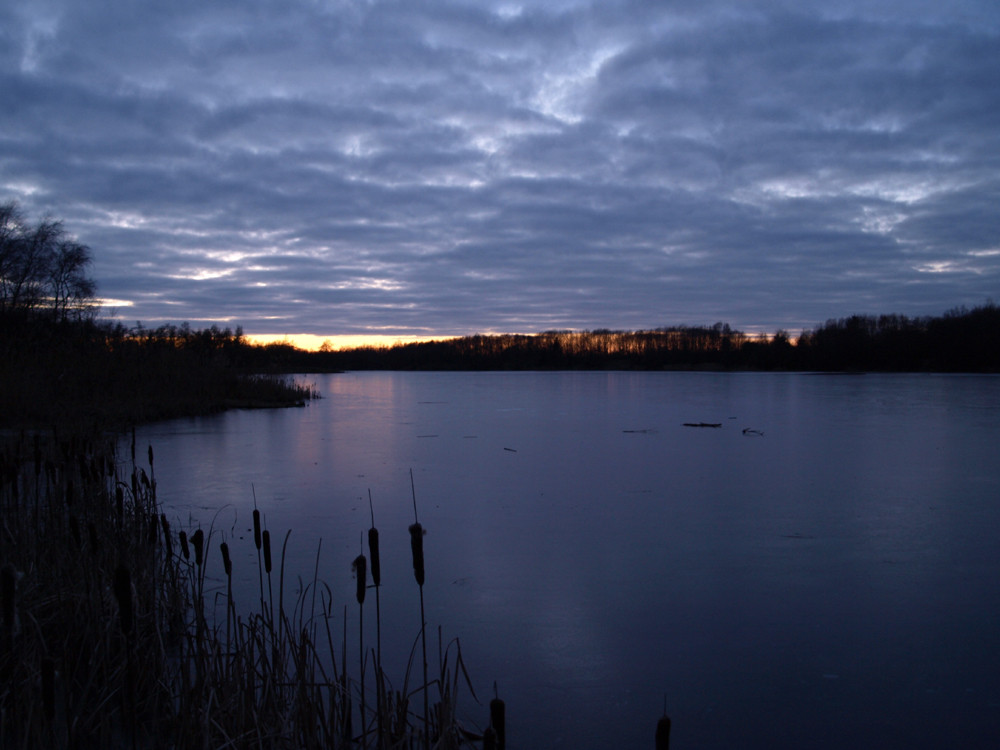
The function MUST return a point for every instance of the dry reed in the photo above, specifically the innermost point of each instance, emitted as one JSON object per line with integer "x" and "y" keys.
{"x": 122, "y": 652}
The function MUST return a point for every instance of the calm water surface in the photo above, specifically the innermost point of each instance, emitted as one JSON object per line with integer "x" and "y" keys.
{"x": 831, "y": 583}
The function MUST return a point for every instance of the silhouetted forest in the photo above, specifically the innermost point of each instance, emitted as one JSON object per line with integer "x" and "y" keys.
{"x": 59, "y": 365}
{"x": 86, "y": 373}
{"x": 55, "y": 369}
{"x": 960, "y": 340}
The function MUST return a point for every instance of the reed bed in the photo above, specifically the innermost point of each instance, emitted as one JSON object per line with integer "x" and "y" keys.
{"x": 107, "y": 639}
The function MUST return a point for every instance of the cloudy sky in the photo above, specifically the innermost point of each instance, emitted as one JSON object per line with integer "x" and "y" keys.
{"x": 447, "y": 167}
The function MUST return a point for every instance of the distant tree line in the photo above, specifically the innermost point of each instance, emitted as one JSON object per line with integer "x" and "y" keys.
{"x": 42, "y": 268}
{"x": 961, "y": 340}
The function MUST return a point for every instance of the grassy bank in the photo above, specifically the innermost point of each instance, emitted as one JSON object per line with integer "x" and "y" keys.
{"x": 106, "y": 640}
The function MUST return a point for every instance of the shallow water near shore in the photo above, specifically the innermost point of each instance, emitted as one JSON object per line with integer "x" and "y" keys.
{"x": 819, "y": 571}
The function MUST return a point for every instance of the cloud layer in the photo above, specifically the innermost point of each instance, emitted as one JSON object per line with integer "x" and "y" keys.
{"x": 453, "y": 167}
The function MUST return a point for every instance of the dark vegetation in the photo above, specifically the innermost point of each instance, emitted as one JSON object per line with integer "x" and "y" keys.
{"x": 119, "y": 631}
{"x": 61, "y": 366}
{"x": 958, "y": 341}
{"x": 96, "y": 374}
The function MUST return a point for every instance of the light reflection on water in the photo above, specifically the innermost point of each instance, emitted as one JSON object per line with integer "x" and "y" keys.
{"x": 829, "y": 584}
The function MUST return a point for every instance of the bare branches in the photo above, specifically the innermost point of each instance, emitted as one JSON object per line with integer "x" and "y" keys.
{"x": 41, "y": 267}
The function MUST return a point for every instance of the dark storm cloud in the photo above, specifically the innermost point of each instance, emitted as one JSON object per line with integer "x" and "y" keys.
{"x": 451, "y": 167}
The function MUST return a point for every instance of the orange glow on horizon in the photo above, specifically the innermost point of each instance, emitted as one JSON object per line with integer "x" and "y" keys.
{"x": 312, "y": 342}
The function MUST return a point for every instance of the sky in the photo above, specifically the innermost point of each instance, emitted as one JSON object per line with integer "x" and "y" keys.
{"x": 449, "y": 167}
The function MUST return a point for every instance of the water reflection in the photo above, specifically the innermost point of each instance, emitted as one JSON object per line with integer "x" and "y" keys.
{"x": 826, "y": 585}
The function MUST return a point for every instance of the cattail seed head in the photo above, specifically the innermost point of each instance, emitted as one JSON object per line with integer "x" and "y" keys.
{"x": 226, "y": 562}
{"x": 166, "y": 535}
{"x": 266, "y": 539}
{"x": 256, "y": 528}
{"x": 373, "y": 551}
{"x": 498, "y": 718}
{"x": 417, "y": 548}
{"x": 184, "y": 545}
{"x": 198, "y": 542}
{"x": 123, "y": 593}
{"x": 150, "y": 457}
{"x": 360, "y": 567}
{"x": 663, "y": 733}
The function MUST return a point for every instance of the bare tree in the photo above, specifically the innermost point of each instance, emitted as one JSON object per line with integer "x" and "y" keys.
{"x": 41, "y": 267}
{"x": 71, "y": 290}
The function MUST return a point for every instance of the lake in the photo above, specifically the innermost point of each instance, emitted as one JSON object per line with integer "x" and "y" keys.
{"x": 820, "y": 571}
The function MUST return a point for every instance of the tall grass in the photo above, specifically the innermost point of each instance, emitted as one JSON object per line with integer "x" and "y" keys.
{"x": 108, "y": 640}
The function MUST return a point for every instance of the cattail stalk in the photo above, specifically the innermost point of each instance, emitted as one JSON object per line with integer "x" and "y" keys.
{"x": 373, "y": 552}
{"x": 498, "y": 719}
{"x": 361, "y": 577}
{"x": 266, "y": 544}
{"x": 258, "y": 542}
{"x": 663, "y": 729}
{"x": 227, "y": 565}
{"x": 417, "y": 548}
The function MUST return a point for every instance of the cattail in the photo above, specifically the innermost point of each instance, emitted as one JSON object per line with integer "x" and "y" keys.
{"x": 49, "y": 688}
{"x": 373, "y": 551}
{"x": 663, "y": 733}
{"x": 663, "y": 729}
{"x": 150, "y": 457}
{"x": 184, "y": 545}
{"x": 498, "y": 717}
{"x": 490, "y": 739}
{"x": 166, "y": 535}
{"x": 256, "y": 528}
{"x": 123, "y": 592}
{"x": 198, "y": 542}
{"x": 360, "y": 567}
{"x": 226, "y": 562}
{"x": 417, "y": 547}
{"x": 266, "y": 538}
{"x": 154, "y": 530}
